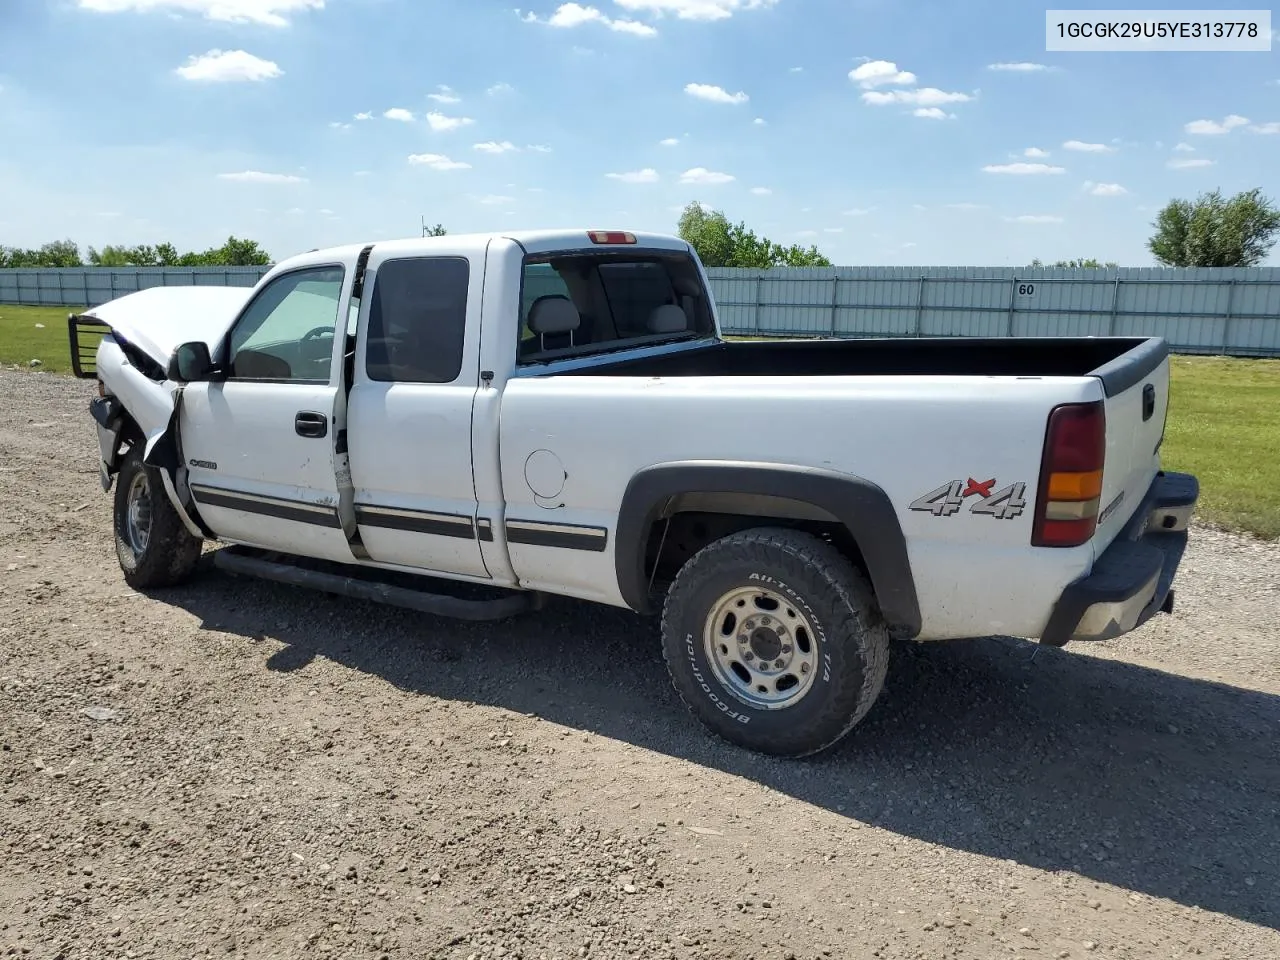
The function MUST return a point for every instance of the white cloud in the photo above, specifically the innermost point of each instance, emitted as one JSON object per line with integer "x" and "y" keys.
{"x": 257, "y": 176}
{"x": 363, "y": 173}
{"x": 399, "y": 113}
{"x": 1082, "y": 147}
{"x": 761, "y": 191}
{"x": 924, "y": 97}
{"x": 364, "y": 116}
{"x": 1184, "y": 148}
{"x": 634, "y": 27}
{"x": 494, "y": 146}
{"x": 539, "y": 148}
{"x": 1190, "y": 163}
{"x": 918, "y": 206}
{"x": 694, "y": 9}
{"x": 703, "y": 176}
{"x": 338, "y": 125}
{"x": 759, "y": 121}
{"x": 880, "y": 73}
{"x": 272, "y": 13}
{"x": 569, "y": 15}
{"x": 1266, "y": 127}
{"x": 933, "y": 113}
{"x": 442, "y": 124}
{"x": 714, "y": 94}
{"x": 1035, "y": 153}
{"x": 493, "y": 199}
{"x": 498, "y": 89}
{"x": 669, "y": 142}
{"x": 1105, "y": 189}
{"x": 1212, "y": 128}
{"x": 445, "y": 94}
{"x": 224, "y": 66}
{"x": 1034, "y": 218}
{"x": 1022, "y": 168}
{"x": 437, "y": 161}
{"x": 801, "y": 70}
{"x": 1019, "y": 67}
{"x": 647, "y": 175}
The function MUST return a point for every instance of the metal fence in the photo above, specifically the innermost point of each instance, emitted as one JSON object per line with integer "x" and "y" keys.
{"x": 1232, "y": 311}
{"x": 1201, "y": 310}
{"x": 90, "y": 286}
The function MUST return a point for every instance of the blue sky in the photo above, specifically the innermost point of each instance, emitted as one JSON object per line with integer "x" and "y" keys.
{"x": 886, "y": 132}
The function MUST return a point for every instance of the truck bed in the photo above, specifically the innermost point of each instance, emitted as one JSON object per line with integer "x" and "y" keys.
{"x": 1119, "y": 361}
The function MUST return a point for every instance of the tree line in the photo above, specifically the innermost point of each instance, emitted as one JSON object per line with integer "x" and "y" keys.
{"x": 1210, "y": 231}
{"x": 66, "y": 253}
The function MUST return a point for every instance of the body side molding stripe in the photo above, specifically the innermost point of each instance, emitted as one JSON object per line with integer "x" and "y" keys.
{"x": 528, "y": 532}
{"x": 415, "y": 521}
{"x": 561, "y": 535}
{"x": 296, "y": 510}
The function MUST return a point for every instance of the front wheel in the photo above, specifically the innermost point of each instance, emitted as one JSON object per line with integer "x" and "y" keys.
{"x": 774, "y": 641}
{"x": 154, "y": 547}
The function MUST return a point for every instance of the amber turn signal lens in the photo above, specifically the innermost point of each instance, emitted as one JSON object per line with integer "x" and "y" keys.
{"x": 1075, "y": 486}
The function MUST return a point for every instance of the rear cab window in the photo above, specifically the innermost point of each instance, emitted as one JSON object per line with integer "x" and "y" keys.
{"x": 583, "y": 303}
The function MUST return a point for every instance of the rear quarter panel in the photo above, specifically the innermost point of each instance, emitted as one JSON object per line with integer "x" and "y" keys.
{"x": 975, "y": 574}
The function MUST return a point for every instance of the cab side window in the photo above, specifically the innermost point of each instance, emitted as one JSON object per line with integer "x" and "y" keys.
{"x": 418, "y": 320}
{"x": 287, "y": 331}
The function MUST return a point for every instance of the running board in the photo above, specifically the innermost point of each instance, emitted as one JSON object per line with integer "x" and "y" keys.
{"x": 359, "y": 583}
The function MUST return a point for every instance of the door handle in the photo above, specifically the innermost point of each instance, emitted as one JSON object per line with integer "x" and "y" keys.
{"x": 1148, "y": 401}
{"x": 309, "y": 424}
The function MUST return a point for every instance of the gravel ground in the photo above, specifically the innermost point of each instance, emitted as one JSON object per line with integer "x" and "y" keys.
{"x": 285, "y": 774}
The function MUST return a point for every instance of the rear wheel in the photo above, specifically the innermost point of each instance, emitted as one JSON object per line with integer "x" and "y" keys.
{"x": 774, "y": 641}
{"x": 154, "y": 547}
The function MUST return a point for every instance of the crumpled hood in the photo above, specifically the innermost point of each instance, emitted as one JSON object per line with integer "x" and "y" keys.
{"x": 158, "y": 319}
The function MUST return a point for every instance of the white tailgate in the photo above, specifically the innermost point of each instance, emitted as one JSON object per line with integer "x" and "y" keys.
{"x": 1133, "y": 457}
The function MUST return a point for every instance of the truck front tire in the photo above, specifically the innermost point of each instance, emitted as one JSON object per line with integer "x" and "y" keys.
{"x": 154, "y": 547}
{"x": 774, "y": 641}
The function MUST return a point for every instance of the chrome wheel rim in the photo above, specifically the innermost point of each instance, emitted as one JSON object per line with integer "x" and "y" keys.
{"x": 761, "y": 648}
{"x": 137, "y": 517}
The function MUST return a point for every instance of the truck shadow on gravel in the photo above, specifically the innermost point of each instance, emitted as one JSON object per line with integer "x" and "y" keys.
{"x": 1154, "y": 782}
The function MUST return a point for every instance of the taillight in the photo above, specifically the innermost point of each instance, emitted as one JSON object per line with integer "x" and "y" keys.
{"x": 611, "y": 236}
{"x": 1075, "y": 448}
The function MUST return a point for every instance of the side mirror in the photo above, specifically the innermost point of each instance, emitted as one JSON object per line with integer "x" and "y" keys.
{"x": 190, "y": 363}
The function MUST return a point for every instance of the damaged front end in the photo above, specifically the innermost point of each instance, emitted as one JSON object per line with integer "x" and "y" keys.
{"x": 126, "y": 345}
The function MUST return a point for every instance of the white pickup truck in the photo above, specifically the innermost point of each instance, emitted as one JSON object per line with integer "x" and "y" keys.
{"x": 464, "y": 424}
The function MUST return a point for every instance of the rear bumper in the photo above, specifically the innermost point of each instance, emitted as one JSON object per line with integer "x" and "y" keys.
{"x": 1133, "y": 578}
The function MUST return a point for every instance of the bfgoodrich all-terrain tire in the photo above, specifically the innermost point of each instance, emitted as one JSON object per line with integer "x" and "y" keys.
{"x": 153, "y": 545}
{"x": 774, "y": 641}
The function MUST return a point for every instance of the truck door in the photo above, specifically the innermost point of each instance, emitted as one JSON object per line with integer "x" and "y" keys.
{"x": 409, "y": 410}
{"x": 261, "y": 444}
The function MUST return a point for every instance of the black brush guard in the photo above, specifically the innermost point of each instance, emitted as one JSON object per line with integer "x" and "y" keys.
{"x": 84, "y": 334}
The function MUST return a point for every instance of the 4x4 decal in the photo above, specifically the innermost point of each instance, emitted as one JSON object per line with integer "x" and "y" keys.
{"x": 945, "y": 501}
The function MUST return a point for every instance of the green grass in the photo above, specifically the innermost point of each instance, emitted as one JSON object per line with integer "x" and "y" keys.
{"x": 1224, "y": 426}
{"x": 21, "y": 341}
{"x": 1224, "y": 419}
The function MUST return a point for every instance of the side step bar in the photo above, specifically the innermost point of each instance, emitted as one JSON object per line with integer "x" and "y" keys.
{"x": 240, "y": 561}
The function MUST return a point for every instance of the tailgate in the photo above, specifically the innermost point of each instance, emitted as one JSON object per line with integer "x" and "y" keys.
{"x": 1136, "y": 387}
